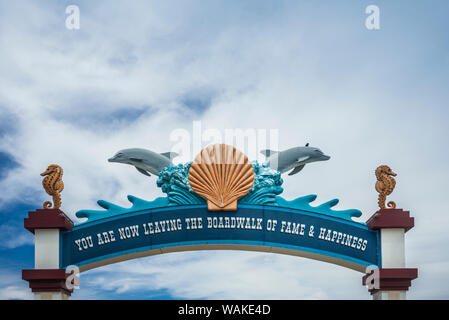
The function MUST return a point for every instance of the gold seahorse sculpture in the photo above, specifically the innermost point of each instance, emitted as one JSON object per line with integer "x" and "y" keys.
{"x": 384, "y": 185}
{"x": 53, "y": 185}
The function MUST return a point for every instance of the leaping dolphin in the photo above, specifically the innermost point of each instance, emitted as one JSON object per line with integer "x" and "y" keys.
{"x": 294, "y": 158}
{"x": 144, "y": 160}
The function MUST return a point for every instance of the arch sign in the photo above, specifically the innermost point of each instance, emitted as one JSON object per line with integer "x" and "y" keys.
{"x": 218, "y": 201}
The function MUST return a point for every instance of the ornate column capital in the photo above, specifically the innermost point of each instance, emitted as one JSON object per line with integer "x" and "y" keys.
{"x": 47, "y": 219}
{"x": 391, "y": 218}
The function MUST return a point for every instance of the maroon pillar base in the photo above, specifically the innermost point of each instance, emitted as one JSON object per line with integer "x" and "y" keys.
{"x": 47, "y": 280}
{"x": 392, "y": 279}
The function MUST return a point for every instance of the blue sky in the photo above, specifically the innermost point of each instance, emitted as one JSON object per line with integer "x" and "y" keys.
{"x": 134, "y": 72}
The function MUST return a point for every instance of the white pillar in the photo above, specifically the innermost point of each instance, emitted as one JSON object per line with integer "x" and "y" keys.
{"x": 47, "y": 279}
{"x": 393, "y": 256}
{"x": 46, "y": 256}
{"x": 50, "y": 296}
{"x": 393, "y": 247}
{"x": 394, "y": 277}
{"x": 46, "y": 248}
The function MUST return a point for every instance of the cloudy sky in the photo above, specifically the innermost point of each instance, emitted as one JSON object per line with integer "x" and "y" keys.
{"x": 135, "y": 72}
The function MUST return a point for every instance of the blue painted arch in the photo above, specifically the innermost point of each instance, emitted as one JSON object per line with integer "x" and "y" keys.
{"x": 258, "y": 232}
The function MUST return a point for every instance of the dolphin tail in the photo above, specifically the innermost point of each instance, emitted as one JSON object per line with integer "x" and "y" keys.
{"x": 268, "y": 152}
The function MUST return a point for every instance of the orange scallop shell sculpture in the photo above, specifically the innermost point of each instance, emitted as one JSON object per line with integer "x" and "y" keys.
{"x": 221, "y": 174}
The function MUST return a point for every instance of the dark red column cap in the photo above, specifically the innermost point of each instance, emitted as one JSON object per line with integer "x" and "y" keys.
{"x": 47, "y": 219}
{"x": 393, "y": 279}
{"x": 47, "y": 280}
{"x": 391, "y": 218}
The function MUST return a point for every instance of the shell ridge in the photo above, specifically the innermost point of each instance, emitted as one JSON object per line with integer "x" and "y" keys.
{"x": 247, "y": 186}
{"x": 198, "y": 178}
{"x": 235, "y": 174}
{"x": 202, "y": 179}
{"x": 213, "y": 154}
{"x": 205, "y": 169}
{"x": 240, "y": 175}
{"x": 221, "y": 174}
{"x": 243, "y": 181}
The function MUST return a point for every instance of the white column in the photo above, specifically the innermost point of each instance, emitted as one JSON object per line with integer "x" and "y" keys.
{"x": 389, "y": 295}
{"x": 393, "y": 256}
{"x": 393, "y": 247}
{"x": 46, "y": 248}
{"x": 50, "y": 296}
{"x": 46, "y": 256}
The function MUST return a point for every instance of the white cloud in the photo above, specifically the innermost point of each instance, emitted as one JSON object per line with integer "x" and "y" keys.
{"x": 228, "y": 275}
{"x": 12, "y": 287}
{"x": 15, "y": 293}
{"x": 12, "y": 237}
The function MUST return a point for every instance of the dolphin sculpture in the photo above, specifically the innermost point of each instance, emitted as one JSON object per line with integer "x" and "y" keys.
{"x": 144, "y": 160}
{"x": 294, "y": 158}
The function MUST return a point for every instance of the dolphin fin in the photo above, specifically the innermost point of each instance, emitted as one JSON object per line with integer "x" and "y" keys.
{"x": 268, "y": 152}
{"x": 143, "y": 172}
{"x": 296, "y": 170}
{"x": 169, "y": 155}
